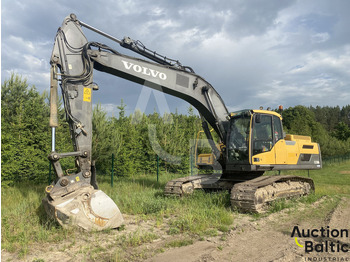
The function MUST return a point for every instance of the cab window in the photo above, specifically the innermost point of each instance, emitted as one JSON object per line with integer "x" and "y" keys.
{"x": 238, "y": 139}
{"x": 262, "y": 134}
{"x": 277, "y": 129}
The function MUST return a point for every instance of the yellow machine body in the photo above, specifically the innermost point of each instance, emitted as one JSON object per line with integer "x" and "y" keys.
{"x": 286, "y": 153}
{"x": 258, "y": 143}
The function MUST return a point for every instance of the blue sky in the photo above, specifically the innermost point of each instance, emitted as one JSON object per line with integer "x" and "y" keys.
{"x": 255, "y": 53}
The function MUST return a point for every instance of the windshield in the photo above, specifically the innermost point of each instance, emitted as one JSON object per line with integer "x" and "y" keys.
{"x": 238, "y": 140}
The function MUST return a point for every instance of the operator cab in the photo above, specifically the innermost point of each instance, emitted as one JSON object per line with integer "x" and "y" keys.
{"x": 252, "y": 132}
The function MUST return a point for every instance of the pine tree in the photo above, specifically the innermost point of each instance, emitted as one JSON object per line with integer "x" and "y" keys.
{"x": 25, "y": 132}
{"x": 106, "y": 139}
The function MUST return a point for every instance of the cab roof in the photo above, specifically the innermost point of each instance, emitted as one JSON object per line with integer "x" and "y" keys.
{"x": 268, "y": 112}
{"x": 252, "y": 111}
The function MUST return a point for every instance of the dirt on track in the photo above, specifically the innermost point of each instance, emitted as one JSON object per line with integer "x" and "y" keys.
{"x": 262, "y": 238}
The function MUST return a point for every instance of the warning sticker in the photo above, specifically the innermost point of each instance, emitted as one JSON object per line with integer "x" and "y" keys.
{"x": 87, "y": 94}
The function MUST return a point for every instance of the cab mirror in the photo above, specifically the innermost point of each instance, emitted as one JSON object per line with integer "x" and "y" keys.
{"x": 257, "y": 119}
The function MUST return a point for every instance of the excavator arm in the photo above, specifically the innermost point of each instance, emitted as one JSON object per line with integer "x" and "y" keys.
{"x": 168, "y": 79}
{"x": 75, "y": 198}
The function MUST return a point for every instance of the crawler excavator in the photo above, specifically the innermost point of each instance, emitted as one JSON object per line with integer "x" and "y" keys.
{"x": 252, "y": 141}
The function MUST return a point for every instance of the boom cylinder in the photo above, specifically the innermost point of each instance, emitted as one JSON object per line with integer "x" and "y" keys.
{"x": 53, "y": 98}
{"x": 53, "y": 106}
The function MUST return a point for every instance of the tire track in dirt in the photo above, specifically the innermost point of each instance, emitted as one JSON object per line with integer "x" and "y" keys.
{"x": 262, "y": 240}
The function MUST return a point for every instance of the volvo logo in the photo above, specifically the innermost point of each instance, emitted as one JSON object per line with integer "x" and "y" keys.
{"x": 144, "y": 70}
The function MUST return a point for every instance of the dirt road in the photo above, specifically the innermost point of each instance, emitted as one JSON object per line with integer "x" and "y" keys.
{"x": 252, "y": 238}
{"x": 269, "y": 238}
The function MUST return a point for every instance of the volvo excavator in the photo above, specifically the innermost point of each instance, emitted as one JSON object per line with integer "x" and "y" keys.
{"x": 251, "y": 141}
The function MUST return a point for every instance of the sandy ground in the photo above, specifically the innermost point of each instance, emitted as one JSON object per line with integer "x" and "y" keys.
{"x": 266, "y": 238}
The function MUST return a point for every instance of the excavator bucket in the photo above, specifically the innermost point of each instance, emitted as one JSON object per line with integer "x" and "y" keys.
{"x": 86, "y": 207}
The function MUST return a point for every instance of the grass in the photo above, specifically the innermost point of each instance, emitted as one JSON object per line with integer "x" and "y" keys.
{"x": 24, "y": 220}
{"x": 332, "y": 179}
{"x": 194, "y": 214}
{"x": 136, "y": 238}
{"x": 25, "y": 226}
{"x": 180, "y": 243}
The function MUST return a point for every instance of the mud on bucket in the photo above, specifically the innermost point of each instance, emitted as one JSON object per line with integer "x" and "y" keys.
{"x": 86, "y": 208}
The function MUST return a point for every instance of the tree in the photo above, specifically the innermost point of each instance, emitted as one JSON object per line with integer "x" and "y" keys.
{"x": 299, "y": 120}
{"x": 25, "y": 135}
{"x": 106, "y": 139}
{"x": 342, "y": 131}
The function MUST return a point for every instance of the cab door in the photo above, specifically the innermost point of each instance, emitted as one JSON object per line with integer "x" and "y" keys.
{"x": 268, "y": 145}
{"x": 280, "y": 149}
{"x": 263, "y": 152}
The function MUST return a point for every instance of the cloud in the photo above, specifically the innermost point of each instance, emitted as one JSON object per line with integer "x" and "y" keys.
{"x": 255, "y": 53}
{"x": 22, "y": 57}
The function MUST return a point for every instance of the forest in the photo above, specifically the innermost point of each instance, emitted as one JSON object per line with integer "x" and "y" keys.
{"x": 133, "y": 139}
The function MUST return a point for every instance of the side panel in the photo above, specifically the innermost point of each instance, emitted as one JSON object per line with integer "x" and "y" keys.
{"x": 266, "y": 158}
{"x": 281, "y": 154}
{"x": 289, "y": 155}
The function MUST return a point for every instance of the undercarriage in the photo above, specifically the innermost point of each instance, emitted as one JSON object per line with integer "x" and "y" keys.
{"x": 252, "y": 195}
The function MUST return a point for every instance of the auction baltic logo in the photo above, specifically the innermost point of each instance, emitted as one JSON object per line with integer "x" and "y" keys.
{"x": 324, "y": 240}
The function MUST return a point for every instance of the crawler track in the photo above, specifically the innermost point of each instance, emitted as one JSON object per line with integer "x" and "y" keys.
{"x": 255, "y": 195}
{"x": 252, "y": 196}
{"x": 186, "y": 185}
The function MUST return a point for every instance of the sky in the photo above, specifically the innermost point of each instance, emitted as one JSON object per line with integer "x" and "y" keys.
{"x": 254, "y": 53}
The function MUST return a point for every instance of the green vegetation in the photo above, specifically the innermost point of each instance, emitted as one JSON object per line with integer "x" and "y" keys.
{"x": 332, "y": 179}
{"x": 135, "y": 239}
{"x": 211, "y": 211}
{"x": 25, "y": 133}
{"x": 26, "y": 136}
{"x": 180, "y": 243}
{"x": 198, "y": 216}
{"x": 25, "y": 225}
{"x": 24, "y": 221}
{"x": 327, "y": 126}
